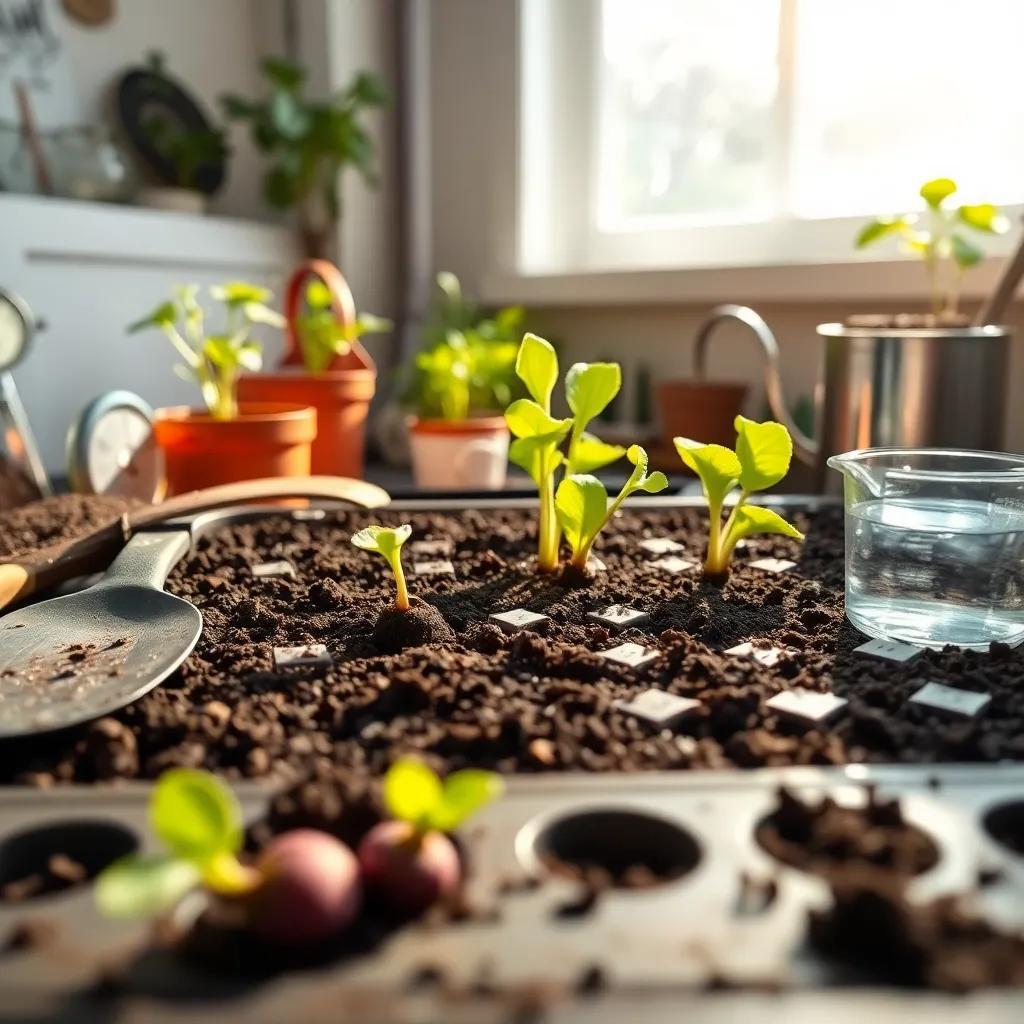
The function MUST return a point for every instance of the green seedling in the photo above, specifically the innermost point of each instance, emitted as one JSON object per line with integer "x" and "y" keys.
{"x": 942, "y": 245}
{"x": 387, "y": 542}
{"x": 215, "y": 361}
{"x": 589, "y": 390}
{"x": 583, "y": 509}
{"x": 198, "y": 820}
{"x": 761, "y": 459}
{"x": 538, "y": 437}
{"x": 322, "y": 336}
{"x": 409, "y": 861}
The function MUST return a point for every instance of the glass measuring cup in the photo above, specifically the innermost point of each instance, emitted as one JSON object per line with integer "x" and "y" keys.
{"x": 934, "y": 545}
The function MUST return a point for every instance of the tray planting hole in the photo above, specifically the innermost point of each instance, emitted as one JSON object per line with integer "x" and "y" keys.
{"x": 1005, "y": 824}
{"x": 825, "y": 837}
{"x": 55, "y": 857}
{"x": 620, "y": 848}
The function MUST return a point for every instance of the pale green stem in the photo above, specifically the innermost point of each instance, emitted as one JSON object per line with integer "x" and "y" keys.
{"x": 548, "y": 529}
{"x": 729, "y": 537}
{"x": 402, "y": 591}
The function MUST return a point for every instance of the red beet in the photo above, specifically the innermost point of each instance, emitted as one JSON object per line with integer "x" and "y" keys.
{"x": 310, "y": 889}
{"x": 409, "y": 873}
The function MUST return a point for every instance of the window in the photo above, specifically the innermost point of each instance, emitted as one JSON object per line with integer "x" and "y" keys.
{"x": 746, "y": 132}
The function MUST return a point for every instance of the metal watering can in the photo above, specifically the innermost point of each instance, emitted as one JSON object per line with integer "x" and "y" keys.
{"x": 888, "y": 387}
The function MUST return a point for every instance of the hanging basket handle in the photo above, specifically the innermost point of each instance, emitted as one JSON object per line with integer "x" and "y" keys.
{"x": 342, "y": 305}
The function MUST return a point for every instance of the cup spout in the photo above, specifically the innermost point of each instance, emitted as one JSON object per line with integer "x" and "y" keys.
{"x": 851, "y": 465}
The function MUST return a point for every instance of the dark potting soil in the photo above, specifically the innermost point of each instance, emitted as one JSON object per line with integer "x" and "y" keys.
{"x": 61, "y": 519}
{"x": 531, "y": 701}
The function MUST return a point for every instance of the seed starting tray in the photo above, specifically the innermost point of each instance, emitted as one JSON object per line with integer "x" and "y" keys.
{"x": 652, "y": 954}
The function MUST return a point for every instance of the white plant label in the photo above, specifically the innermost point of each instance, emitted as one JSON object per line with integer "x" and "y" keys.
{"x": 281, "y": 568}
{"x": 951, "y": 699}
{"x": 807, "y": 705}
{"x": 673, "y": 564}
{"x": 438, "y": 567}
{"x": 890, "y": 650}
{"x": 302, "y": 657}
{"x": 658, "y": 707}
{"x": 518, "y": 618}
{"x": 772, "y": 564}
{"x": 660, "y": 545}
{"x": 432, "y": 548}
{"x": 619, "y": 616}
{"x": 767, "y": 656}
{"x": 633, "y": 655}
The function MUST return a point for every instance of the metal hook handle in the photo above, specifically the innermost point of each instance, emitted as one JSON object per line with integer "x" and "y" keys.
{"x": 806, "y": 449}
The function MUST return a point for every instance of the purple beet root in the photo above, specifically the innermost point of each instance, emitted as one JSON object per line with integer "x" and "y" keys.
{"x": 409, "y": 872}
{"x": 310, "y": 889}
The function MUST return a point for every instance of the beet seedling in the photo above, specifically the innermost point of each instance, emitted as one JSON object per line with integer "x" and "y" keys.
{"x": 387, "y": 541}
{"x": 589, "y": 387}
{"x": 409, "y": 862}
{"x": 583, "y": 509}
{"x": 761, "y": 459}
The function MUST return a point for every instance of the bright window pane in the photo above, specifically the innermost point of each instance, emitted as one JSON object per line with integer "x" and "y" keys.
{"x": 686, "y": 127}
{"x": 890, "y": 94}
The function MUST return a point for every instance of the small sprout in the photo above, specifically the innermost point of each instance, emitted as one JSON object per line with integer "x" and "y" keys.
{"x": 410, "y": 862}
{"x": 538, "y": 436}
{"x": 583, "y": 509}
{"x": 589, "y": 389}
{"x": 304, "y": 887}
{"x": 387, "y": 541}
{"x": 200, "y": 823}
{"x": 761, "y": 459}
{"x": 944, "y": 250}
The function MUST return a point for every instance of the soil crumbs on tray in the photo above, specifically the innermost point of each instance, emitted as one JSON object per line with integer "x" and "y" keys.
{"x": 530, "y": 701}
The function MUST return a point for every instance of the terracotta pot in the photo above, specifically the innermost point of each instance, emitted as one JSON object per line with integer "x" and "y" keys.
{"x": 341, "y": 394}
{"x": 701, "y": 410}
{"x": 455, "y": 455}
{"x": 267, "y": 439}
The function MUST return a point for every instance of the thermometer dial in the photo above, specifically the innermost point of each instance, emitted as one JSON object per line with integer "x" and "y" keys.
{"x": 111, "y": 449}
{"x": 15, "y": 329}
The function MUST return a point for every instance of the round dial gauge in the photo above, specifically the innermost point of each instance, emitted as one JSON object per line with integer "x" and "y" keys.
{"x": 111, "y": 449}
{"x": 15, "y": 329}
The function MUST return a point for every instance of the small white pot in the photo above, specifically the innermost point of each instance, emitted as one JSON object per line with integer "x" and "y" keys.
{"x": 179, "y": 200}
{"x": 459, "y": 455}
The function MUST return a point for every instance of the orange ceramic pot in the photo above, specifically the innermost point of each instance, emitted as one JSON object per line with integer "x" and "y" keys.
{"x": 267, "y": 439}
{"x": 699, "y": 410}
{"x": 341, "y": 394}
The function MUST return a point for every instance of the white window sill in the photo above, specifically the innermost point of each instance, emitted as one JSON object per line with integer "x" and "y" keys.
{"x": 859, "y": 281}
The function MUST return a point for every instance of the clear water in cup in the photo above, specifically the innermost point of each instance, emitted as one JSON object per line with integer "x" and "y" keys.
{"x": 935, "y": 572}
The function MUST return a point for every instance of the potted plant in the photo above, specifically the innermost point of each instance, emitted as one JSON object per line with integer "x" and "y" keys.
{"x": 457, "y": 387}
{"x": 180, "y": 148}
{"x": 309, "y": 144}
{"x": 324, "y": 365}
{"x": 226, "y": 441}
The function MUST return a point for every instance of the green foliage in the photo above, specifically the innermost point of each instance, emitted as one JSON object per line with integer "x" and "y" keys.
{"x": 414, "y": 794}
{"x": 581, "y": 503}
{"x": 467, "y": 363}
{"x": 187, "y": 150}
{"x": 387, "y": 542}
{"x": 308, "y": 141}
{"x": 322, "y": 336}
{"x": 215, "y": 361}
{"x": 589, "y": 389}
{"x": 199, "y": 820}
{"x": 761, "y": 459}
{"x": 945, "y": 251}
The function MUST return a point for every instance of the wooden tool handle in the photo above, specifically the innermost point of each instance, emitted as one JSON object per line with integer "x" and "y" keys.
{"x": 47, "y": 567}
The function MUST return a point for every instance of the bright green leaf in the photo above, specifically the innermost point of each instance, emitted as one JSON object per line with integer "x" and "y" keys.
{"x": 717, "y": 466}
{"x": 589, "y": 387}
{"x": 764, "y": 451}
{"x": 195, "y": 815}
{"x": 581, "y": 503}
{"x": 880, "y": 228}
{"x": 318, "y": 295}
{"x": 639, "y": 480}
{"x": 537, "y": 368}
{"x": 536, "y": 455}
{"x": 238, "y": 293}
{"x": 165, "y": 315}
{"x": 142, "y": 885}
{"x": 385, "y": 540}
{"x": 758, "y": 519}
{"x": 590, "y": 453}
{"x": 984, "y": 217}
{"x": 463, "y": 794}
{"x": 936, "y": 191}
{"x": 965, "y": 253}
{"x": 526, "y": 418}
{"x": 412, "y": 792}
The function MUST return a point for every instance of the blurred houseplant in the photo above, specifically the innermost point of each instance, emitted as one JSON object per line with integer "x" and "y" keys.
{"x": 943, "y": 242}
{"x": 309, "y": 143}
{"x": 324, "y": 365}
{"x": 456, "y": 389}
{"x": 226, "y": 441}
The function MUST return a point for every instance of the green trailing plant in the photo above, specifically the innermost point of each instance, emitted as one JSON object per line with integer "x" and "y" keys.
{"x": 322, "y": 336}
{"x": 581, "y": 503}
{"x": 943, "y": 242}
{"x": 467, "y": 364}
{"x": 590, "y": 387}
{"x": 199, "y": 822}
{"x": 310, "y": 142}
{"x": 215, "y": 361}
{"x": 387, "y": 542}
{"x": 761, "y": 459}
